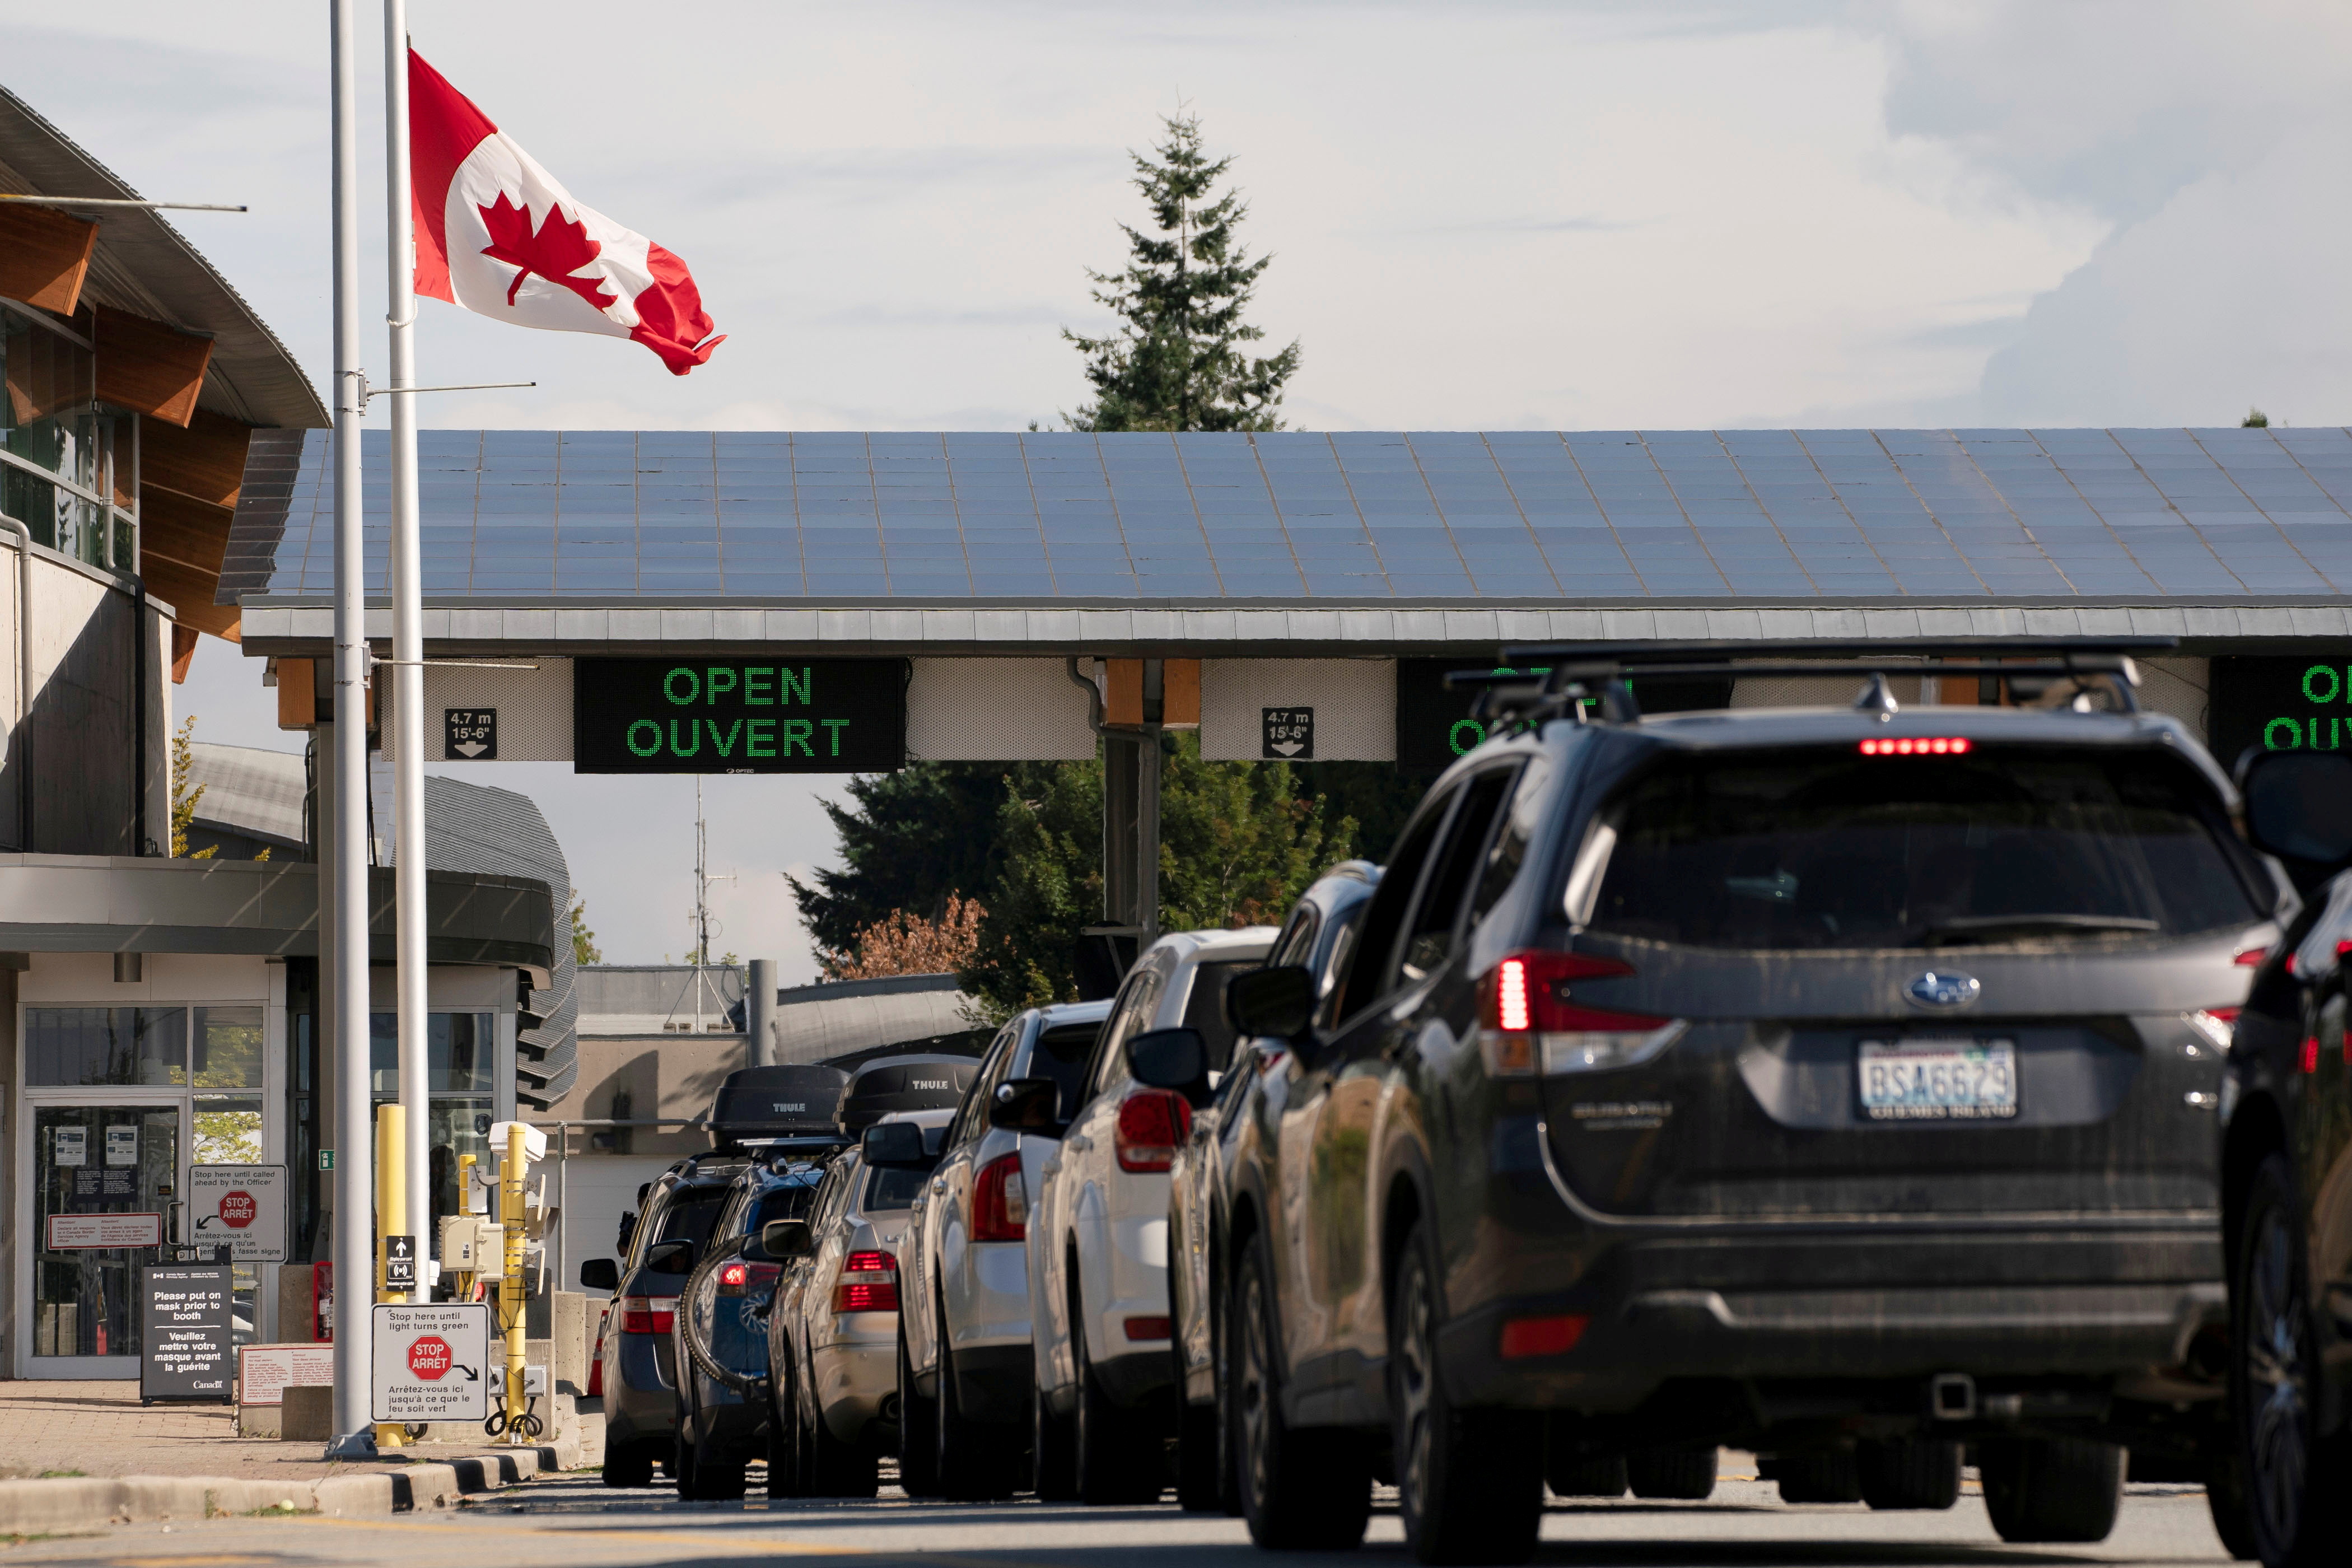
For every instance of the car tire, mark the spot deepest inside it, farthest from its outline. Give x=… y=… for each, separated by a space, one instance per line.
x=974 y=1462
x=2052 y=1488
x=1301 y=1490
x=1683 y=1473
x=632 y=1465
x=833 y=1468
x=783 y=1449
x=1818 y=1477
x=1118 y=1462
x=1197 y=1482
x=1909 y=1473
x=1469 y=1482
x=698 y=1481
x=1229 y=1490
x=918 y=1437
x=2295 y=1479
x=1570 y=1474
x=2226 y=1500
x=1053 y=1451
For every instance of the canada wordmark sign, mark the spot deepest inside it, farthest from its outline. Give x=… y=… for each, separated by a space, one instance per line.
x=432 y=1363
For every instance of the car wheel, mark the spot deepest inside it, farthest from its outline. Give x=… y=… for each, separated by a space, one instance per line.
x=1220 y=1361
x=1818 y=1478
x=1570 y=1474
x=699 y=1480
x=2052 y=1488
x=1197 y=1487
x=1469 y=1482
x=632 y=1465
x=975 y=1463
x=2294 y=1480
x=1683 y=1472
x=918 y=1437
x=1299 y=1490
x=1117 y=1463
x=783 y=1449
x=833 y=1468
x=2226 y=1500
x=1912 y=1473
x=1053 y=1450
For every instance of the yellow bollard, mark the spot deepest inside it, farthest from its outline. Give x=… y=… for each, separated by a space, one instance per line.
x=510 y=1287
x=392 y=1219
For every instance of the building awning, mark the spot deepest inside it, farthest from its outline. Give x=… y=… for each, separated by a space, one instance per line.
x=73 y=903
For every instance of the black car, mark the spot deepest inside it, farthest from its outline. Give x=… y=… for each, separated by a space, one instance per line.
x=1315 y=936
x=2286 y=1159
x=1835 y=1083
x=721 y=1326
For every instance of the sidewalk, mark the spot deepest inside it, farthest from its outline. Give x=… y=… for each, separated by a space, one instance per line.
x=63 y=1444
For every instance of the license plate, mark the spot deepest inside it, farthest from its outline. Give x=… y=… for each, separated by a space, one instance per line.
x=1938 y=1080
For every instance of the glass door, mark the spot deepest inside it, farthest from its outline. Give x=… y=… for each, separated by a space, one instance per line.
x=99 y=1173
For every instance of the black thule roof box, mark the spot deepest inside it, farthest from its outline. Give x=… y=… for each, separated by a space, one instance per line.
x=887 y=1084
x=757 y=1108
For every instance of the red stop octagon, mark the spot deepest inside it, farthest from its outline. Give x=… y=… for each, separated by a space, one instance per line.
x=428 y=1357
x=238 y=1209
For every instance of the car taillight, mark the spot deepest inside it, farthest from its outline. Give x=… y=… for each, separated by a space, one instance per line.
x=744 y=1278
x=1530 y=1023
x=596 y=1357
x=1149 y=1327
x=2250 y=957
x=1000 y=1201
x=1919 y=746
x=1152 y=1125
x=647 y=1314
x=869 y=1283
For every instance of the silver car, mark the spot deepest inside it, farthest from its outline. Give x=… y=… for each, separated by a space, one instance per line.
x=832 y=1333
x=965 y=1373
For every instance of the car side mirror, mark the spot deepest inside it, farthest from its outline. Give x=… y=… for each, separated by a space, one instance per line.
x=1170 y=1059
x=1278 y=1002
x=670 y=1257
x=600 y=1274
x=894 y=1146
x=783 y=1238
x=1027 y=1105
x=2299 y=805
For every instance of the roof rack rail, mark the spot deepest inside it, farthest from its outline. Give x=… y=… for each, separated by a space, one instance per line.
x=1578 y=673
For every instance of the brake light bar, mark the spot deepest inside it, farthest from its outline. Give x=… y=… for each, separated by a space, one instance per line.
x=869 y=1283
x=1919 y=746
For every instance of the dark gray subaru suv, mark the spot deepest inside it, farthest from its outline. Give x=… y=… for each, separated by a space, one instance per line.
x=1837 y=1083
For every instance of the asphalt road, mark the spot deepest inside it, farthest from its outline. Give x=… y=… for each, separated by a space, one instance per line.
x=579 y=1524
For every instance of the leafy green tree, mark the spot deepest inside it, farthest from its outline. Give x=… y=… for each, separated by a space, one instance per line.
x=1047 y=890
x=1176 y=360
x=584 y=941
x=2255 y=419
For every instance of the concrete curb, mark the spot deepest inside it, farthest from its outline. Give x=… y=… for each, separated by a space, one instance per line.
x=84 y=1503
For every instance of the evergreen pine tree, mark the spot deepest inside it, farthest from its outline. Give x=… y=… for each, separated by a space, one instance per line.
x=1176 y=362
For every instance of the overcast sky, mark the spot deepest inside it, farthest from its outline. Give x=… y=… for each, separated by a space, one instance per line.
x=1494 y=216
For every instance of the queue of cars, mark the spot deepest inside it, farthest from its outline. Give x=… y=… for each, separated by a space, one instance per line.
x=1875 y=1090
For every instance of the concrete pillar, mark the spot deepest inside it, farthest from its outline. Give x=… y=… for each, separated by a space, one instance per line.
x=760 y=1013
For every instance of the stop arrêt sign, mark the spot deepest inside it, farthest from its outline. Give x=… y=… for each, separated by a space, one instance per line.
x=238 y=1209
x=428 y=1357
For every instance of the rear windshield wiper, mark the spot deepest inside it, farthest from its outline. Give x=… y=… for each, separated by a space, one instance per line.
x=1984 y=926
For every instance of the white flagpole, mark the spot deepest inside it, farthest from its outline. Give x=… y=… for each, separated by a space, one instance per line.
x=354 y=1227
x=408 y=647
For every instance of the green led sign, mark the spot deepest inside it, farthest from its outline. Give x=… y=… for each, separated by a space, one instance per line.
x=774 y=714
x=2297 y=703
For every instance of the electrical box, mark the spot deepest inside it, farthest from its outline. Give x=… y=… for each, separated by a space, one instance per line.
x=472 y=1246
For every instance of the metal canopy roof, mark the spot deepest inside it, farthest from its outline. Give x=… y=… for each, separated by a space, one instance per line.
x=913 y=526
x=144 y=266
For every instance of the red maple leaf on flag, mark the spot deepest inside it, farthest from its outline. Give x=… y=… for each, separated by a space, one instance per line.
x=553 y=252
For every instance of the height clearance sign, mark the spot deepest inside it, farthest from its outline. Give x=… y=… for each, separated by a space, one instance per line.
x=779 y=714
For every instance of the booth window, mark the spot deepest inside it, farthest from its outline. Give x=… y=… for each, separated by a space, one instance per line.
x=93 y=1046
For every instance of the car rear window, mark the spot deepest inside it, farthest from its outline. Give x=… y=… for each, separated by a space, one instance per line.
x=690 y=1215
x=893 y=1189
x=1817 y=850
x=1205 y=1009
x=1061 y=1054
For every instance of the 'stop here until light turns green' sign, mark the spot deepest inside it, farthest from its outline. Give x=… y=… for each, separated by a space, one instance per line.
x=739 y=714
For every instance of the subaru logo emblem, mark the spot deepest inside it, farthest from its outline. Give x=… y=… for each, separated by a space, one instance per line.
x=1943 y=989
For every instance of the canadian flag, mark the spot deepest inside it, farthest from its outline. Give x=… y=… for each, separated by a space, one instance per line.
x=497 y=234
